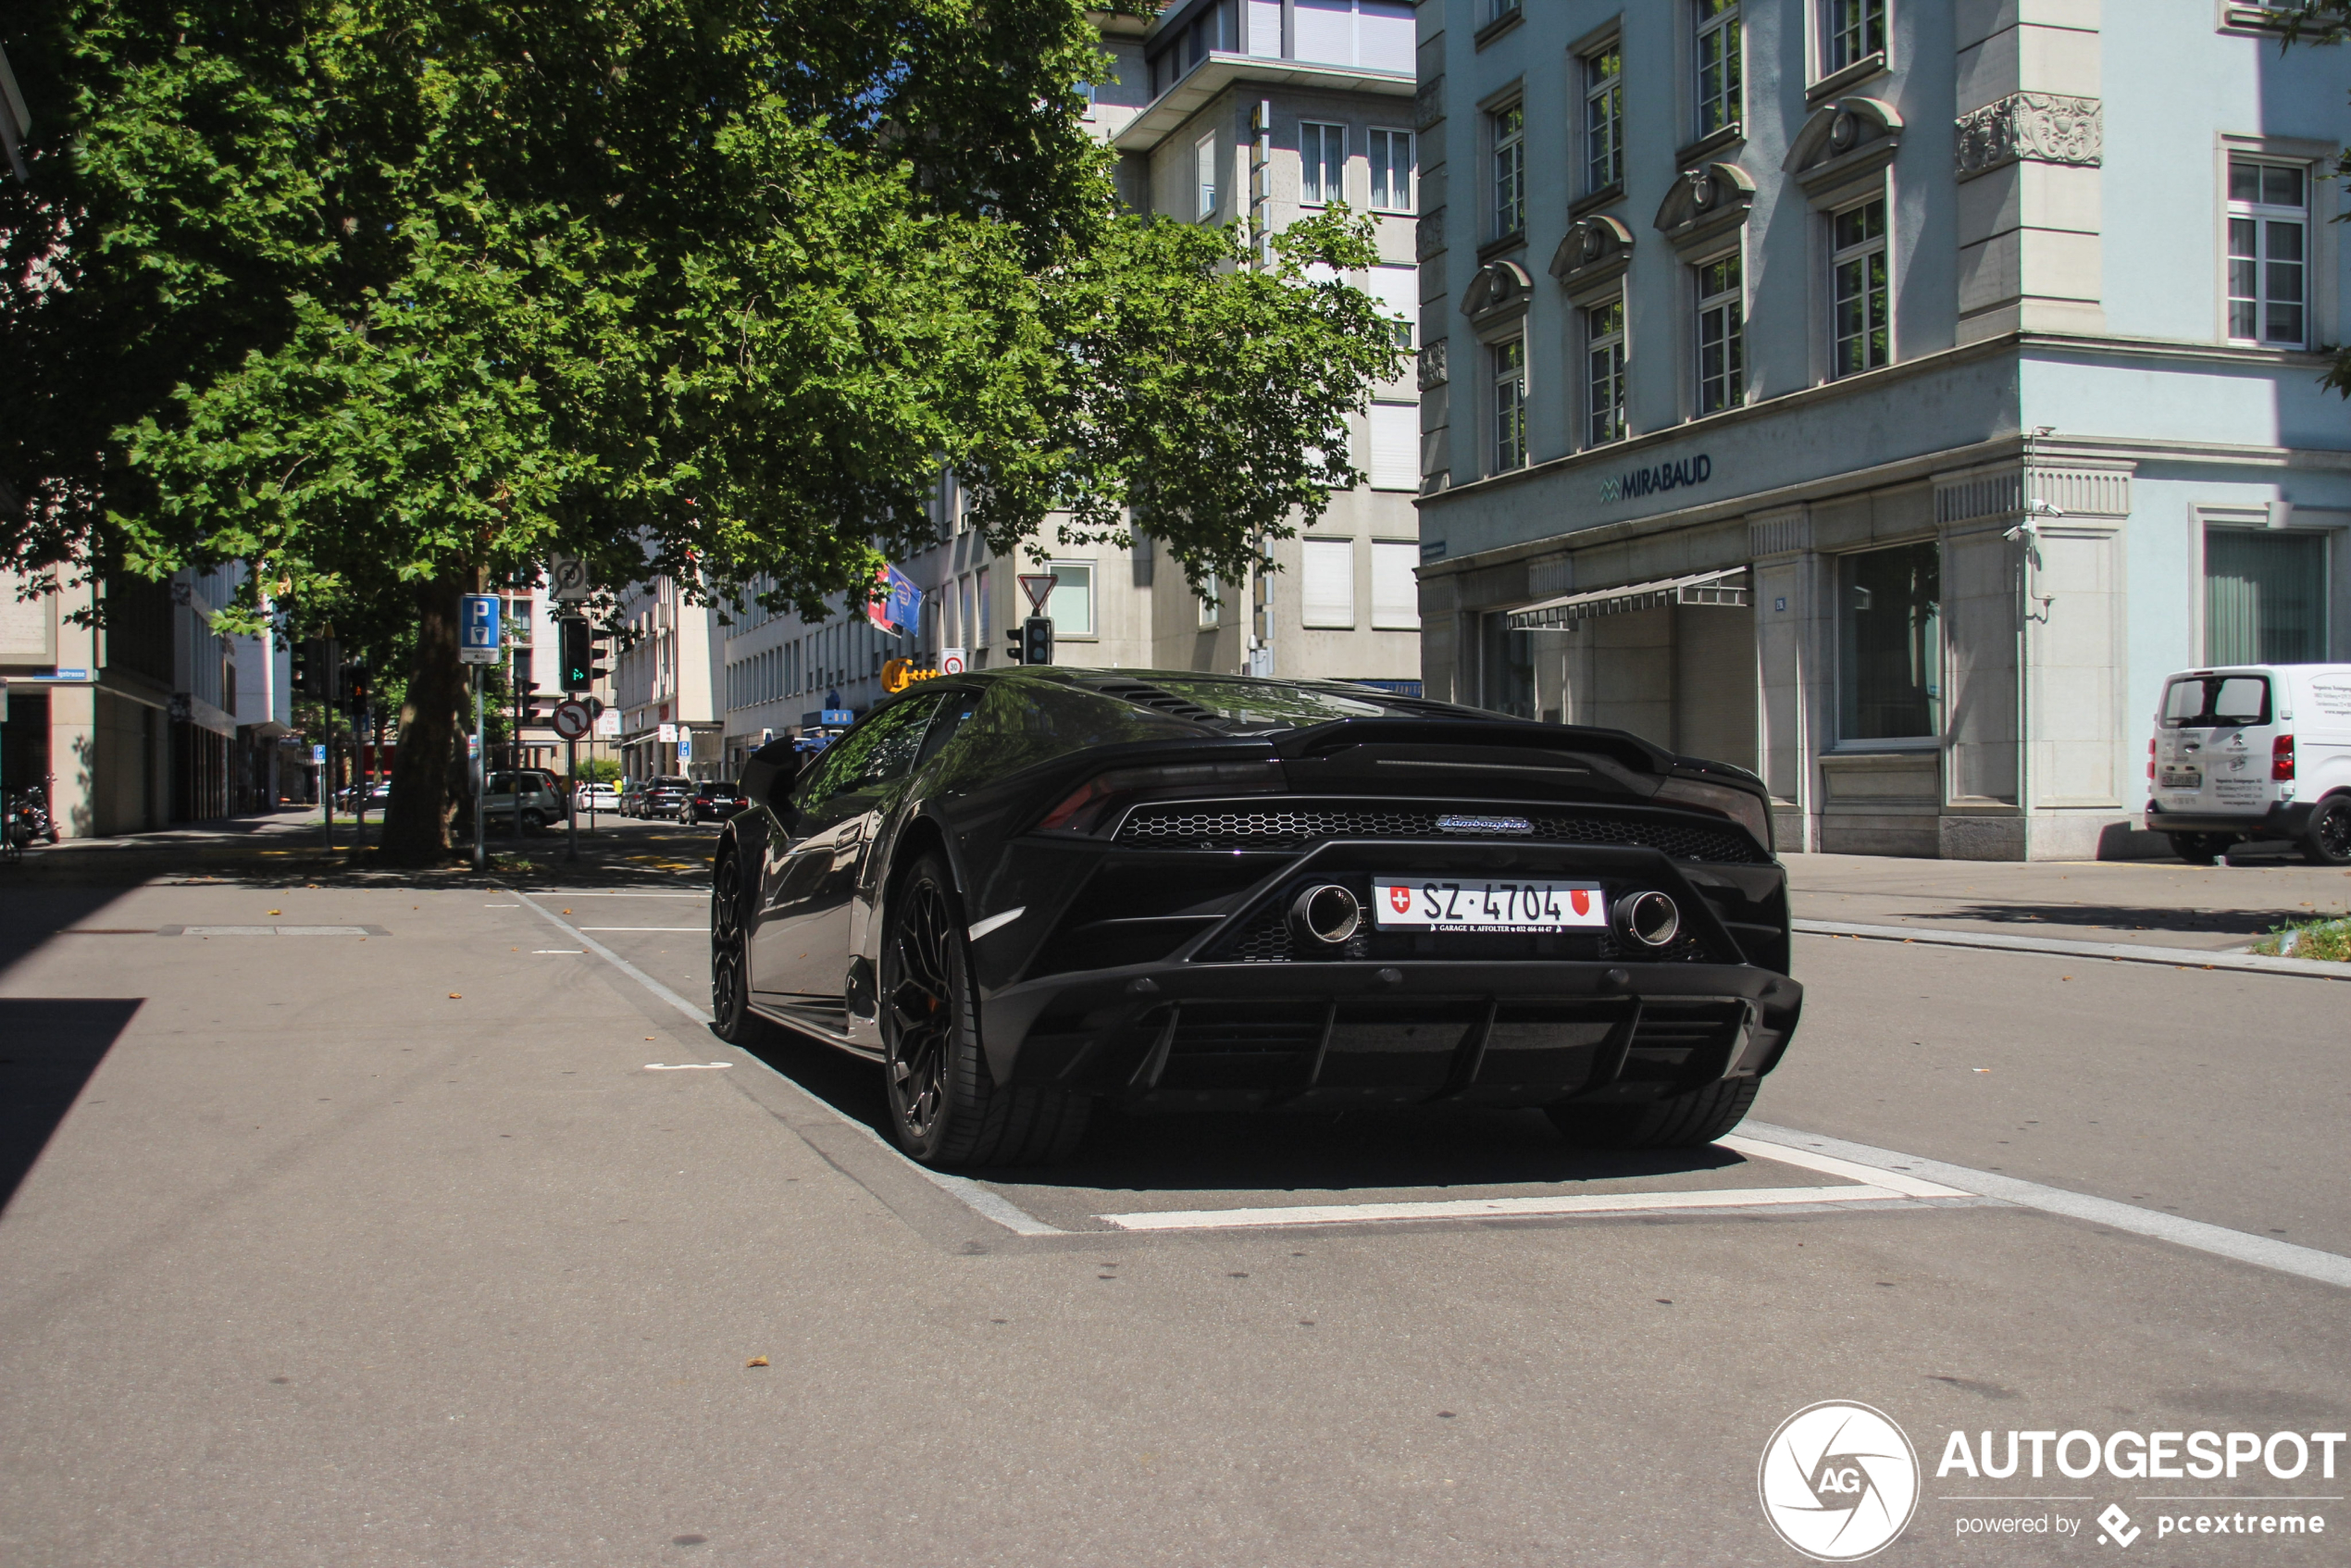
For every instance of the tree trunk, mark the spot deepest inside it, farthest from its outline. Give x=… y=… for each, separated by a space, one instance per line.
x=416 y=827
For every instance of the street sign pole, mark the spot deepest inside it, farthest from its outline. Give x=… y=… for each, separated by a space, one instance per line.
x=477 y=768
x=571 y=796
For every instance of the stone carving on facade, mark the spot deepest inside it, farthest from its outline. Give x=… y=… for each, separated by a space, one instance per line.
x=1595 y=250
x=2039 y=127
x=1428 y=234
x=1498 y=290
x=1428 y=104
x=1703 y=201
x=1844 y=140
x=1433 y=371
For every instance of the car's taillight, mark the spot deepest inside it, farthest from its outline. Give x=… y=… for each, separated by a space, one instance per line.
x=1737 y=805
x=1084 y=809
x=2281 y=758
x=2150 y=758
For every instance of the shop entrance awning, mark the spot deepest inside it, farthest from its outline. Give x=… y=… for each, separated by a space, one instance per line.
x=1727 y=587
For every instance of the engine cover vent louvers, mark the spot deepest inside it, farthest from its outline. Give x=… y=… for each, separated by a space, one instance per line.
x=1277 y=827
x=1153 y=697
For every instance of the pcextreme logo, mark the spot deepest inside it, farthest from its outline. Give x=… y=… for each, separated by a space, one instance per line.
x=1838 y=1481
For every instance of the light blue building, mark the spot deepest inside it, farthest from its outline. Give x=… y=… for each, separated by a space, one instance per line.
x=1882 y=394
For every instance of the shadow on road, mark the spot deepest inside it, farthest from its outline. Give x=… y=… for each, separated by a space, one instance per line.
x=53 y=1046
x=2125 y=919
x=1431 y=1147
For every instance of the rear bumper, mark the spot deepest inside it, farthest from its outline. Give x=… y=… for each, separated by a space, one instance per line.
x=1195 y=1036
x=2286 y=819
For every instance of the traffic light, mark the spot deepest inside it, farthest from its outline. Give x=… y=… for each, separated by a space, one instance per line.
x=314 y=668
x=579 y=646
x=1037 y=641
x=1014 y=652
x=356 y=685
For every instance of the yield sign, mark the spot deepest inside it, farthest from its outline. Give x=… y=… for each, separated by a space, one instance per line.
x=1039 y=586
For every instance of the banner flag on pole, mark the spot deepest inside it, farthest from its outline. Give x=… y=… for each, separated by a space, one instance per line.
x=895 y=602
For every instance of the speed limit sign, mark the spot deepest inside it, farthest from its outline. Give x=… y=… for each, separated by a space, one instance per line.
x=572 y=721
x=950 y=661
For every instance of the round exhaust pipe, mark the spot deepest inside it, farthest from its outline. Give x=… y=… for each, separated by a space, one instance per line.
x=1327 y=914
x=1648 y=919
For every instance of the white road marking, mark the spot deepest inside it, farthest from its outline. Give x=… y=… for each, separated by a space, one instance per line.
x=1503 y=1208
x=1811 y=1160
x=684 y=1066
x=645 y=927
x=2121 y=952
x=991 y=1206
x=596 y=893
x=543 y=952
x=2264 y=1250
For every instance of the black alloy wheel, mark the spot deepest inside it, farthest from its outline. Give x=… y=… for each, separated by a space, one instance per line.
x=2328 y=842
x=730 y=1016
x=945 y=1109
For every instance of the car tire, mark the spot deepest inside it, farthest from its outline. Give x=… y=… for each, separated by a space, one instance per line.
x=532 y=822
x=1682 y=1121
x=2199 y=849
x=945 y=1109
x=2327 y=841
x=731 y=1018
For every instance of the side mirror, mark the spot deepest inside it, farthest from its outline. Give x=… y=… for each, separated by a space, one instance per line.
x=768 y=775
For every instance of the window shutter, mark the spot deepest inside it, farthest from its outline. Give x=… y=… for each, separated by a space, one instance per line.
x=1398 y=289
x=1396 y=447
x=1329 y=588
x=1396 y=593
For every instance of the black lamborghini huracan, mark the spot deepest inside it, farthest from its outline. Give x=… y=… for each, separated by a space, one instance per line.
x=1025 y=891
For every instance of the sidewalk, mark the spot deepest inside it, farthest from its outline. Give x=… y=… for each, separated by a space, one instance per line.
x=2165 y=904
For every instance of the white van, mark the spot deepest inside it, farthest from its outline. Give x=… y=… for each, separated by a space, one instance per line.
x=2254 y=752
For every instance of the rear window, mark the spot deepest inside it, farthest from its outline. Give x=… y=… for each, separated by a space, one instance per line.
x=2209 y=702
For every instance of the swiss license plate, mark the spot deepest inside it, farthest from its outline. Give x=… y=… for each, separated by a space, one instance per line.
x=2183 y=778
x=1422 y=904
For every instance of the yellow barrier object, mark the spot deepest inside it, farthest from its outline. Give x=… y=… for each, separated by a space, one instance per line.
x=899 y=674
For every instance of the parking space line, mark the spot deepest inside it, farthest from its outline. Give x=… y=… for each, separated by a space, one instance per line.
x=1594 y=1204
x=1812 y=1160
x=643 y=928
x=991 y=1206
x=2286 y=1257
x=2119 y=952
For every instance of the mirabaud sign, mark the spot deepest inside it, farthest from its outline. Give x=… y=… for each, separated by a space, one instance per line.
x=1651 y=481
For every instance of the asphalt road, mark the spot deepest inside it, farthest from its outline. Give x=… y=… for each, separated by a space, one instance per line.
x=318 y=1262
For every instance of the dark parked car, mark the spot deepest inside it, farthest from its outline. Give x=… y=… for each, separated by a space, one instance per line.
x=632 y=797
x=714 y=800
x=1026 y=891
x=666 y=796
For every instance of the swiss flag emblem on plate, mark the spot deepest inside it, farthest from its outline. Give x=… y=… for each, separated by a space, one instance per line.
x=1400 y=898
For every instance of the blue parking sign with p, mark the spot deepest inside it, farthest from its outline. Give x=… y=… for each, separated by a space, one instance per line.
x=478 y=629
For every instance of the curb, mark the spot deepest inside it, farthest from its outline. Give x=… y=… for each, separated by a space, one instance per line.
x=2120 y=953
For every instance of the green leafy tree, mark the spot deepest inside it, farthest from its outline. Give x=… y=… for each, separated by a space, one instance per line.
x=2324 y=22
x=597 y=770
x=389 y=298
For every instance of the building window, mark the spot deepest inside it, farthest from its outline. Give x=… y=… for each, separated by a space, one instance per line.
x=1851 y=31
x=1604 y=118
x=1070 y=603
x=1510 y=404
x=1721 y=61
x=1604 y=372
x=1396 y=446
x=1890 y=643
x=1204 y=172
x=1393 y=172
x=1721 y=369
x=1211 y=603
x=1396 y=592
x=2268 y=220
x=1398 y=291
x=1326 y=586
x=1496 y=9
x=1858 y=278
x=2265 y=596
x=1508 y=128
x=1321 y=164
x=1505 y=666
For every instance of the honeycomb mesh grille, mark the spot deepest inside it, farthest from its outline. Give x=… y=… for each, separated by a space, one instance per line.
x=1298 y=823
